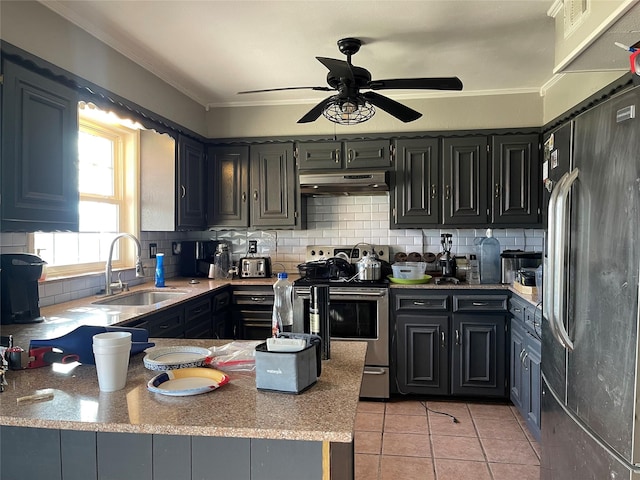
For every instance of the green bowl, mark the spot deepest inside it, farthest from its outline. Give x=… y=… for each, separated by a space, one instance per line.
x=404 y=281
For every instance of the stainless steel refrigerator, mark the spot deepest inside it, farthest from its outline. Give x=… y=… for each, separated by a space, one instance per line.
x=590 y=349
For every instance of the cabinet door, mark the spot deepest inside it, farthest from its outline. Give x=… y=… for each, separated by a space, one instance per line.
x=228 y=186
x=478 y=355
x=191 y=193
x=464 y=185
x=198 y=322
x=168 y=324
x=273 y=186
x=533 y=376
x=320 y=155
x=367 y=154
x=516 y=351
x=515 y=180
x=422 y=353
x=39 y=153
x=415 y=197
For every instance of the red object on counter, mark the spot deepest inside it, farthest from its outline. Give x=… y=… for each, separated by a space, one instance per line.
x=19 y=359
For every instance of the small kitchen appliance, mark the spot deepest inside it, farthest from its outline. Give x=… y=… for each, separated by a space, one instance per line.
x=196 y=256
x=255 y=267
x=20 y=298
x=447 y=261
x=513 y=260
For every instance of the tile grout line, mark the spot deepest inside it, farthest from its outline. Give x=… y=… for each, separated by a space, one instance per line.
x=484 y=452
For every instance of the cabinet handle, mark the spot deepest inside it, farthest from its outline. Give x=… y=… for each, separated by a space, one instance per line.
x=457 y=337
x=419 y=304
x=524 y=363
x=244 y=196
x=163 y=327
x=497 y=190
x=255 y=195
x=351 y=155
x=521 y=355
x=183 y=191
x=258 y=299
x=517 y=310
x=337 y=155
x=434 y=191
x=447 y=192
x=480 y=304
x=443 y=341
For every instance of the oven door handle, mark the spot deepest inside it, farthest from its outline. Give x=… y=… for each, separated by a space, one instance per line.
x=306 y=293
x=374 y=371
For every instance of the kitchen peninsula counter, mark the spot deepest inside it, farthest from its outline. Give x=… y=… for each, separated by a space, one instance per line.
x=322 y=418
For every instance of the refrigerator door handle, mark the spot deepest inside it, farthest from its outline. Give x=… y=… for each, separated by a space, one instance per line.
x=550 y=266
x=560 y=277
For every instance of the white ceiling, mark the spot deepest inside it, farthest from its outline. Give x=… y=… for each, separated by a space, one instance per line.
x=211 y=49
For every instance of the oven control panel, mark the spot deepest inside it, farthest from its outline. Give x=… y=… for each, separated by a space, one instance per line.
x=346 y=252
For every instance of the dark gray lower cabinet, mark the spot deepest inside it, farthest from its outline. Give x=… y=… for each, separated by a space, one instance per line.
x=525 y=359
x=450 y=344
x=423 y=363
x=69 y=455
x=479 y=355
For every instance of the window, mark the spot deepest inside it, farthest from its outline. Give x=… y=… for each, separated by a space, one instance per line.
x=108 y=171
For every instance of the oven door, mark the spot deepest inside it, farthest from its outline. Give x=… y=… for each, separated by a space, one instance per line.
x=358 y=314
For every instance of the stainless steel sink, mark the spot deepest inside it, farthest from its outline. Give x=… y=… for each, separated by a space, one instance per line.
x=142 y=297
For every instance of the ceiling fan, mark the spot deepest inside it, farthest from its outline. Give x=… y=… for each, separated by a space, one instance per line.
x=349 y=105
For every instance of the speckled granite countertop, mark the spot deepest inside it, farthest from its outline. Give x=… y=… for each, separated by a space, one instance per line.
x=325 y=412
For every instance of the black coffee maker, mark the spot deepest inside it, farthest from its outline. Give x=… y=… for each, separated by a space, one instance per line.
x=20 y=299
x=447 y=261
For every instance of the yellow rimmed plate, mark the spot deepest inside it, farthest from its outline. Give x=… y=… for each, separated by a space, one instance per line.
x=404 y=281
x=187 y=381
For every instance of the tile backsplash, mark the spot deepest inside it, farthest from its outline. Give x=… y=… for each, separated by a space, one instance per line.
x=330 y=220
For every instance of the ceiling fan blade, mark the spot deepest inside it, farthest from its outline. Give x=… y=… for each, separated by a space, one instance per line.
x=324 y=89
x=398 y=110
x=313 y=114
x=435 y=83
x=339 y=68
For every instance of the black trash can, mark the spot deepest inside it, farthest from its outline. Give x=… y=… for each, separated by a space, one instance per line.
x=19 y=287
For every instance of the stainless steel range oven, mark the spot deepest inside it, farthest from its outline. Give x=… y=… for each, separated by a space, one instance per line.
x=358 y=311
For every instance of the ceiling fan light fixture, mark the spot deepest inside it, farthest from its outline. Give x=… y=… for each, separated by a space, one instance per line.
x=348 y=112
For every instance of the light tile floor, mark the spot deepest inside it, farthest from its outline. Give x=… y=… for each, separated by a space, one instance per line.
x=400 y=439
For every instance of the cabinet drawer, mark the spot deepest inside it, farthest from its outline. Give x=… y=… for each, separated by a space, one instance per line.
x=437 y=303
x=533 y=320
x=221 y=301
x=480 y=303
x=197 y=308
x=517 y=308
x=169 y=325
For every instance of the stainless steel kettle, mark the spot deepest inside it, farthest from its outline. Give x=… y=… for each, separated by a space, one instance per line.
x=369 y=267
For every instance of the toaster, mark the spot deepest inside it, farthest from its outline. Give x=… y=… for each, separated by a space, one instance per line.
x=255 y=267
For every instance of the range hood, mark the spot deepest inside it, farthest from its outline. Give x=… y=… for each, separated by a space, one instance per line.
x=344 y=183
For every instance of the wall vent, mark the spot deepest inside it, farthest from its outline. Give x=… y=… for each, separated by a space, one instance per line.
x=575 y=11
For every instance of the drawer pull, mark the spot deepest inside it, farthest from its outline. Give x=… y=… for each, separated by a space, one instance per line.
x=259 y=299
x=480 y=304
x=419 y=304
x=443 y=342
x=517 y=310
x=457 y=337
x=524 y=361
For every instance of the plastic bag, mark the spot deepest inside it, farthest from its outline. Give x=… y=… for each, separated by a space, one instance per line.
x=235 y=356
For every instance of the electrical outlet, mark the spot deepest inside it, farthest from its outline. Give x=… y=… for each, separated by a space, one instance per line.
x=253 y=246
x=153 y=249
x=176 y=247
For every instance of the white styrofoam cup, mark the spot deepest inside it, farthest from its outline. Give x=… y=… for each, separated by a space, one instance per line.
x=112 y=362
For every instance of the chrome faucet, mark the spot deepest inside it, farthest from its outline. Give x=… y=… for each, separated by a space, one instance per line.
x=108 y=289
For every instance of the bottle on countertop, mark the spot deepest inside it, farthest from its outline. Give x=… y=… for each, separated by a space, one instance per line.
x=159 y=269
x=490 y=259
x=282 y=318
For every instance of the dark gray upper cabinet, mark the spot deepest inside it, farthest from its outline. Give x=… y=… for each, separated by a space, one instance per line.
x=273 y=186
x=191 y=199
x=464 y=181
x=228 y=195
x=515 y=180
x=415 y=199
x=343 y=154
x=39 y=152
